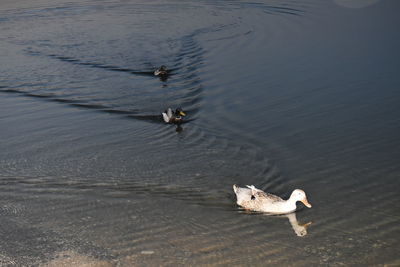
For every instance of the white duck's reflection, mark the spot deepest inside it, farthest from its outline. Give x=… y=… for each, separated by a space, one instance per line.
x=299 y=229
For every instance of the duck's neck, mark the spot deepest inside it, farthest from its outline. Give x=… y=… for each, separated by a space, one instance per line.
x=290 y=204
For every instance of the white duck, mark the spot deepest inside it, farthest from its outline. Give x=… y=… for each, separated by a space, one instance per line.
x=255 y=199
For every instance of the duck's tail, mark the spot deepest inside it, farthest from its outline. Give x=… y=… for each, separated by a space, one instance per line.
x=235 y=188
x=165 y=117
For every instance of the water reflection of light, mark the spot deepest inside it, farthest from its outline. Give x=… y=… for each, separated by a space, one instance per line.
x=355 y=3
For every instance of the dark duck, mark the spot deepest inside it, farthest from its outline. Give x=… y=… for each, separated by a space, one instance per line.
x=176 y=116
x=161 y=72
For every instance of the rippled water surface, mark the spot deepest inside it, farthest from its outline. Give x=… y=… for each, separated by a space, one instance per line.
x=280 y=94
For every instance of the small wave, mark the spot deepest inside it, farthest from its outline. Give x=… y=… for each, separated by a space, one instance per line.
x=134 y=114
x=278 y=8
x=282 y=10
x=149 y=72
x=184 y=90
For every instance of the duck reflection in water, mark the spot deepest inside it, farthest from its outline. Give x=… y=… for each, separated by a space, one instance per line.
x=299 y=229
x=253 y=199
x=178 y=128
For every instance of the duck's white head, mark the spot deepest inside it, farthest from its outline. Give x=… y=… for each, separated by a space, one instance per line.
x=300 y=195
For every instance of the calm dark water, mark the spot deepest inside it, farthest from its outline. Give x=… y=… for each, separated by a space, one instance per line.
x=279 y=94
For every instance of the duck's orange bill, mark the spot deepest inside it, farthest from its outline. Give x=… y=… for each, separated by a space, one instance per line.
x=305 y=202
x=182 y=113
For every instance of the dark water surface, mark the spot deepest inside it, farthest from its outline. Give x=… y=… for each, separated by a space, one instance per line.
x=280 y=94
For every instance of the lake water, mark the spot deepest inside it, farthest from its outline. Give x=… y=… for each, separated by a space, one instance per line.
x=280 y=94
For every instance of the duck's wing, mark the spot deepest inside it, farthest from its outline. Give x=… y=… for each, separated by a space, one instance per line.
x=169 y=113
x=157 y=72
x=267 y=196
x=258 y=193
x=253 y=189
x=165 y=117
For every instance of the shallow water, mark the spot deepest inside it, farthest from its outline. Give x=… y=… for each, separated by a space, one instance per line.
x=279 y=94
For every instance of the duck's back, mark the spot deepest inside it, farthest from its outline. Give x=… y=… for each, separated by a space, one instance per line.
x=259 y=201
x=263 y=196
